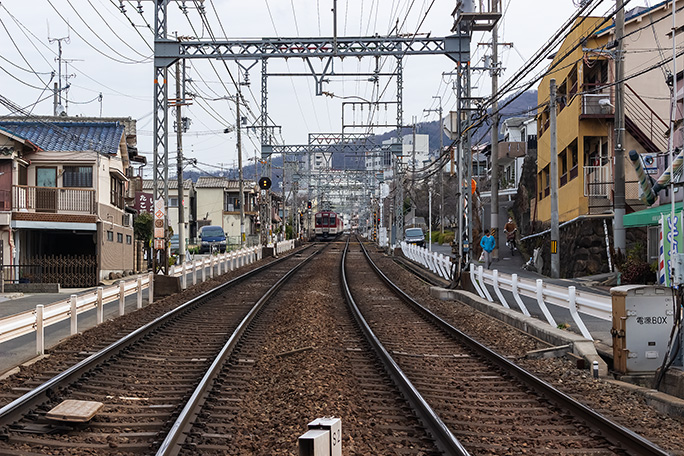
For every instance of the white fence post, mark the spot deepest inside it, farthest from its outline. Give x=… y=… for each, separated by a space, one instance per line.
x=194 y=272
x=480 y=273
x=204 y=269
x=73 y=301
x=40 y=330
x=502 y=300
x=542 y=304
x=572 y=305
x=150 y=289
x=473 y=279
x=516 y=295
x=184 y=275
x=139 y=292
x=122 y=298
x=100 y=306
x=211 y=267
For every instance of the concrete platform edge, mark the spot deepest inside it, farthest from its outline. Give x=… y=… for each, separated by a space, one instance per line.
x=663 y=402
x=580 y=346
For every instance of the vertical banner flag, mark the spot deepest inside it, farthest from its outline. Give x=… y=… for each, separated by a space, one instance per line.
x=672 y=239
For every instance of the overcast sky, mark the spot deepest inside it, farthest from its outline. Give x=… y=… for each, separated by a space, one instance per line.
x=105 y=54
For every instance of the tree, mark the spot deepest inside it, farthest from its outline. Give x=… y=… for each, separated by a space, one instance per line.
x=143 y=227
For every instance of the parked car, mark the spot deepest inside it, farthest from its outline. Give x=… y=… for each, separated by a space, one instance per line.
x=174 y=244
x=212 y=237
x=415 y=236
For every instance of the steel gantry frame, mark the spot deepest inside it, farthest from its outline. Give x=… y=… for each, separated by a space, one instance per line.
x=167 y=51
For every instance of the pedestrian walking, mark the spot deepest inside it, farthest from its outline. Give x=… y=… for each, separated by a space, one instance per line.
x=488 y=243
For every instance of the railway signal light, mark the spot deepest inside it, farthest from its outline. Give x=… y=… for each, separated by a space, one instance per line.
x=308 y=205
x=264 y=183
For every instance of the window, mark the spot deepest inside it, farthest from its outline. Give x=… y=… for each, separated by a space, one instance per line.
x=231 y=202
x=573 y=160
x=110 y=236
x=173 y=201
x=119 y=238
x=116 y=192
x=77 y=176
x=23 y=175
x=129 y=239
x=563 y=166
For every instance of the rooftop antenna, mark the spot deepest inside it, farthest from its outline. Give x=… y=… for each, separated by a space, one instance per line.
x=58 y=99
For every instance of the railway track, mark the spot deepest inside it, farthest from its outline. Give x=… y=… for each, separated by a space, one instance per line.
x=144 y=378
x=489 y=404
x=243 y=369
x=301 y=359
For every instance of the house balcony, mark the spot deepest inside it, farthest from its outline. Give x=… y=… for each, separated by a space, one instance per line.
x=597 y=106
x=509 y=150
x=56 y=200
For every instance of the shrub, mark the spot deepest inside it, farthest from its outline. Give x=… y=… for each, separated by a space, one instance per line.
x=634 y=269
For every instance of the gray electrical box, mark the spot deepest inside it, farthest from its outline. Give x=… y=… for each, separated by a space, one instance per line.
x=643 y=316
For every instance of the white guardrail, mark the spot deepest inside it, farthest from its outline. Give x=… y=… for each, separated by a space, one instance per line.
x=576 y=302
x=68 y=309
x=435 y=262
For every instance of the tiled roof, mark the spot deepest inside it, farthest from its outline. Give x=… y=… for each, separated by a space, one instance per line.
x=148 y=184
x=222 y=182
x=103 y=137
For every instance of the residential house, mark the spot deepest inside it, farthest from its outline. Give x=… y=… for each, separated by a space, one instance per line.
x=583 y=70
x=144 y=203
x=218 y=203
x=64 y=185
x=519 y=138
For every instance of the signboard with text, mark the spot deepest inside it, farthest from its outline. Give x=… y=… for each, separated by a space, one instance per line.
x=159 y=216
x=671 y=239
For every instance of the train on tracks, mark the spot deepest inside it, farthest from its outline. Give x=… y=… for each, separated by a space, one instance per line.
x=328 y=225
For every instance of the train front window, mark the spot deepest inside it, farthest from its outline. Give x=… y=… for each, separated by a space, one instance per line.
x=319 y=219
x=332 y=219
x=325 y=220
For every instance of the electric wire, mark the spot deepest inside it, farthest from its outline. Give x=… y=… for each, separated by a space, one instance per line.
x=125 y=42
x=129 y=62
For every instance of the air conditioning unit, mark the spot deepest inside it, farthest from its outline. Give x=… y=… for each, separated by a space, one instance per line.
x=127 y=220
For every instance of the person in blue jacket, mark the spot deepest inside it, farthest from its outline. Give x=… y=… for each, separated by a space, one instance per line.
x=488 y=243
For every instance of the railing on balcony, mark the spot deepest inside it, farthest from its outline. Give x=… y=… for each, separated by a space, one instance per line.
x=597 y=181
x=53 y=199
x=593 y=106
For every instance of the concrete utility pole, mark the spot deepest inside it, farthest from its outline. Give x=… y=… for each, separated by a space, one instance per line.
x=494 y=71
x=241 y=186
x=619 y=202
x=441 y=171
x=179 y=166
x=555 y=235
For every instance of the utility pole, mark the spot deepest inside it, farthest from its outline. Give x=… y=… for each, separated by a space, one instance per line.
x=619 y=202
x=179 y=166
x=494 y=71
x=441 y=171
x=555 y=256
x=241 y=186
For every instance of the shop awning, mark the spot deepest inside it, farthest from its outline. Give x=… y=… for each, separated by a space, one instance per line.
x=650 y=216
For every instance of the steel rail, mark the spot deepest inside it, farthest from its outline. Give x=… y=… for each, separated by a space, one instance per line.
x=42 y=392
x=175 y=438
x=615 y=433
x=444 y=439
